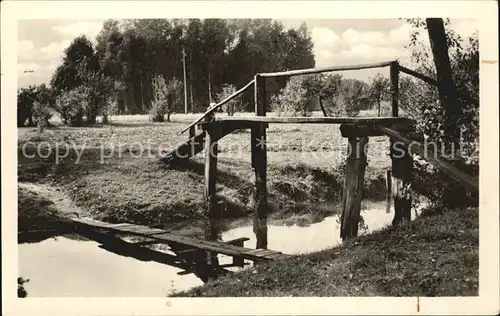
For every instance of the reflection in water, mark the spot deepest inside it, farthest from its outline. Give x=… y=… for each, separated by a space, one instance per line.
x=260 y=231
x=66 y=267
x=318 y=236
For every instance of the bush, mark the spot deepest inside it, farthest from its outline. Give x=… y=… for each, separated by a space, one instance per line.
x=28 y=112
x=297 y=97
x=159 y=103
x=346 y=97
x=166 y=97
x=232 y=106
x=25 y=99
x=72 y=105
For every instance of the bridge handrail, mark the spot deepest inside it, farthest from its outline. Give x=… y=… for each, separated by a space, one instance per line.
x=326 y=69
x=218 y=105
x=288 y=73
x=468 y=181
x=435 y=83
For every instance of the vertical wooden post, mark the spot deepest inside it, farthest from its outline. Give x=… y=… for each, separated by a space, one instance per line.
x=259 y=163
x=260 y=95
x=353 y=187
x=192 y=131
x=402 y=166
x=239 y=261
x=388 y=185
x=394 y=69
x=211 y=215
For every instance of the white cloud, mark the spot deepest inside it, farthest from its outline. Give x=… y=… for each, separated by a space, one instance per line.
x=351 y=37
x=54 y=50
x=44 y=60
x=87 y=28
x=466 y=28
x=401 y=34
x=25 y=50
x=355 y=47
x=325 y=38
x=374 y=38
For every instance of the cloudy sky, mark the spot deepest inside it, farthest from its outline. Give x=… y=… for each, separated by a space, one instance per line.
x=336 y=42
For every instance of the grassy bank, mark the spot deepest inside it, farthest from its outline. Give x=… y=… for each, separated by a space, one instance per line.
x=38 y=217
x=305 y=170
x=436 y=255
x=36 y=212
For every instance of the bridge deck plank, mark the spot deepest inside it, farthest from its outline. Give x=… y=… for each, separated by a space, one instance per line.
x=169 y=238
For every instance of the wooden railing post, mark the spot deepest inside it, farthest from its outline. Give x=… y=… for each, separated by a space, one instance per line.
x=192 y=131
x=259 y=163
x=394 y=74
x=353 y=187
x=212 y=212
x=402 y=166
x=260 y=95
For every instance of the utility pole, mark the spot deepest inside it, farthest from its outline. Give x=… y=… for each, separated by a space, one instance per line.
x=185 y=82
x=191 y=78
x=209 y=89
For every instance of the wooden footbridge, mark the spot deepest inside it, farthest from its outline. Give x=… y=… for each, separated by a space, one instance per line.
x=357 y=132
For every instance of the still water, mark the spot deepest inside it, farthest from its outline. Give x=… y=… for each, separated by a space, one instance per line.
x=79 y=268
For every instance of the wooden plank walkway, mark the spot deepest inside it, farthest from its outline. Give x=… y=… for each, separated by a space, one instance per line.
x=166 y=237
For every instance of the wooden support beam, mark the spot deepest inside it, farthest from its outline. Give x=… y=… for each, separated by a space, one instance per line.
x=188 y=252
x=351 y=130
x=237 y=241
x=394 y=74
x=211 y=150
x=229 y=126
x=353 y=187
x=147 y=242
x=402 y=167
x=238 y=261
x=377 y=121
x=259 y=164
x=469 y=182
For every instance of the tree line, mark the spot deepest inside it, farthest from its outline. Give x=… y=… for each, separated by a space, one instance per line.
x=136 y=67
x=119 y=73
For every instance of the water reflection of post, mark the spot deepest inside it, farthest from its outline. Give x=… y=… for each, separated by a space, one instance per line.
x=388 y=184
x=259 y=163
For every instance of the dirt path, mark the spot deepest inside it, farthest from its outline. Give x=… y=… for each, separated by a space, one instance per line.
x=62 y=202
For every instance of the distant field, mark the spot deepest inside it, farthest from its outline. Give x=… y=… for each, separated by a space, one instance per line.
x=180 y=117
